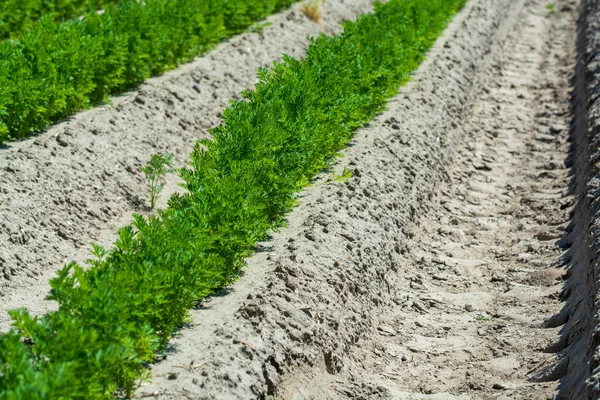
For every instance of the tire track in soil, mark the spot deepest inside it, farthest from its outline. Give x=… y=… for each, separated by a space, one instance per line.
x=483 y=269
x=578 y=348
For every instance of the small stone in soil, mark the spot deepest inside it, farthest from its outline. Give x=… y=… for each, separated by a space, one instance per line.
x=481 y=166
x=61 y=140
x=546 y=236
x=172 y=376
x=503 y=386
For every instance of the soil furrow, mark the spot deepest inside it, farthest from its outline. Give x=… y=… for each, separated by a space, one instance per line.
x=483 y=270
x=579 y=344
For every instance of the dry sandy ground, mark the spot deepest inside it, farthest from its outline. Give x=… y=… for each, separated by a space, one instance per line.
x=579 y=347
x=430 y=274
x=483 y=271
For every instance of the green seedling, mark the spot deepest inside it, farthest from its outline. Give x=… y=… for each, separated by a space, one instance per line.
x=259 y=27
x=550 y=8
x=483 y=317
x=346 y=174
x=155 y=170
x=343 y=177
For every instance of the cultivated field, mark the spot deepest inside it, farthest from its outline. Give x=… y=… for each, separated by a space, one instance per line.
x=350 y=200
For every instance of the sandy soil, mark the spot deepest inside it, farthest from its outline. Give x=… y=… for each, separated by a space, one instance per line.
x=80 y=181
x=579 y=346
x=591 y=57
x=435 y=272
x=483 y=271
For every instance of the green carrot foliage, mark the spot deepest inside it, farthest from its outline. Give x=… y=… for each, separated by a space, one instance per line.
x=16 y=16
x=155 y=171
x=55 y=69
x=116 y=314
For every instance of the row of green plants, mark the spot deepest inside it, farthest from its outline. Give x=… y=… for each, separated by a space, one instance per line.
x=17 y=16
x=115 y=316
x=55 y=69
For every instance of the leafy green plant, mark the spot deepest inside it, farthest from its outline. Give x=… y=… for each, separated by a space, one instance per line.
x=16 y=16
x=483 y=317
x=259 y=27
x=344 y=176
x=55 y=69
x=550 y=8
x=114 y=316
x=155 y=171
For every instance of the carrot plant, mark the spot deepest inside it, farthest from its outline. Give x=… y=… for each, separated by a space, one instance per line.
x=16 y=16
x=155 y=171
x=115 y=315
x=57 y=68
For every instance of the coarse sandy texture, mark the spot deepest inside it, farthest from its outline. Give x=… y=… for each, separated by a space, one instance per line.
x=484 y=269
x=418 y=277
x=80 y=181
x=579 y=345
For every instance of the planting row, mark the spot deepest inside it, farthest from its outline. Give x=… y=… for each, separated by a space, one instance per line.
x=116 y=315
x=17 y=16
x=57 y=68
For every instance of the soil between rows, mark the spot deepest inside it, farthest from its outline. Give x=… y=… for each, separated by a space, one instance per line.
x=429 y=274
x=483 y=269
